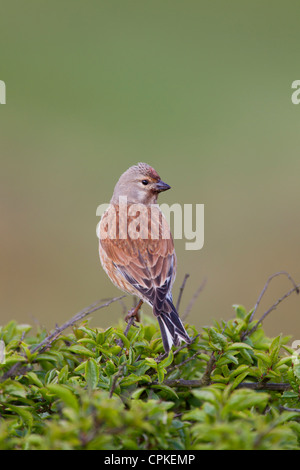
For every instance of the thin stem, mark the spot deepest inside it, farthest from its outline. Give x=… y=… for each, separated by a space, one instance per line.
x=193 y=300
x=279 y=387
x=79 y=316
x=279 y=273
x=19 y=367
x=273 y=307
x=181 y=291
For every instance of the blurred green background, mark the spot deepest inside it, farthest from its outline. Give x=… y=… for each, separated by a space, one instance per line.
x=200 y=90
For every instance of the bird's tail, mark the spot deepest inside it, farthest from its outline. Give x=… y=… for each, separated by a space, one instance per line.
x=171 y=327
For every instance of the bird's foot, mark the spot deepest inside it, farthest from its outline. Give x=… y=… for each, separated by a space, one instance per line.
x=134 y=312
x=131 y=316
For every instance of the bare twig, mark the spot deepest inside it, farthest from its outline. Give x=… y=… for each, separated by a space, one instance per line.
x=279 y=387
x=20 y=367
x=286 y=408
x=79 y=316
x=183 y=346
x=271 y=386
x=205 y=379
x=182 y=383
x=296 y=288
x=17 y=369
x=186 y=345
x=177 y=366
x=193 y=300
x=181 y=291
x=273 y=307
x=115 y=380
x=128 y=326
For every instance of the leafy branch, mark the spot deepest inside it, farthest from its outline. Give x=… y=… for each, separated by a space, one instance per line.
x=92 y=388
x=19 y=367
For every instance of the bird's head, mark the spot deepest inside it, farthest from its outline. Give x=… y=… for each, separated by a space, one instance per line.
x=141 y=184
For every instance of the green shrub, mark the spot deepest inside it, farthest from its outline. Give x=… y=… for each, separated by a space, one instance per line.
x=85 y=390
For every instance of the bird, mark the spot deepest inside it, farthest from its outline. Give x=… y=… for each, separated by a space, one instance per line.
x=137 y=251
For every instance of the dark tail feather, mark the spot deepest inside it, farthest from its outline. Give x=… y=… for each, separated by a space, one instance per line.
x=171 y=327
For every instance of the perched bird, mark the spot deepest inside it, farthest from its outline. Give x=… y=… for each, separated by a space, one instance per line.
x=137 y=250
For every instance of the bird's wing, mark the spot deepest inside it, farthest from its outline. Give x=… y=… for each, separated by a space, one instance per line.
x=148 y=264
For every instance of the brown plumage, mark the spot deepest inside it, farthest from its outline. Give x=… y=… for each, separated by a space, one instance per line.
x=137 y=250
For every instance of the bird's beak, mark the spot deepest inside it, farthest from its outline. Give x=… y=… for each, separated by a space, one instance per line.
x=161 y=186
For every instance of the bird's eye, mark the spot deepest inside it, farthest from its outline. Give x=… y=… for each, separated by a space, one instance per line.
x=145 y=182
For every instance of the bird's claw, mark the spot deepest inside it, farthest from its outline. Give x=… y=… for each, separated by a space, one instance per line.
x=133 y=313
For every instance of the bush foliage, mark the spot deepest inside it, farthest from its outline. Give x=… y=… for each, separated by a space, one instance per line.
x=226 y=390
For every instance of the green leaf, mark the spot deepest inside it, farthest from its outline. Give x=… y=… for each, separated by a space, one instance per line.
x=220 y=379
x=34 y=379
x=160 y=374
x=8 y=331
x=141 y=368
x=168 y=360
x=206 y=395
x=133 y=378
x=87 y=341
x=283 y=361
x=68 y=397
x=194 y=415
x=265 y=358
x=30 y=356
x=91 y=333
x=273 y=374
x=46 y=357
x=137 y=393
x=81 y=350
x=12 y=359
x=244 y=399
x=91 y=373
x=239 y=370
x=110 y=367
x=239 y=346
x=225 y=370
x=14 y=389
x=123 y=338
x=51 y=376
x=240 y=311
x=293 y=380
x=151 y=362
x=217 y=339
x=238 y=380
x=63 y=374
x=246 y=355
x=296 y=367
x=169 y=391
x=227 y=358
x=274 y=349
x=24 y=413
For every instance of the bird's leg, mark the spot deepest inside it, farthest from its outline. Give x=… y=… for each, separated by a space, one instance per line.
x=134 y=312
x=132 y=315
